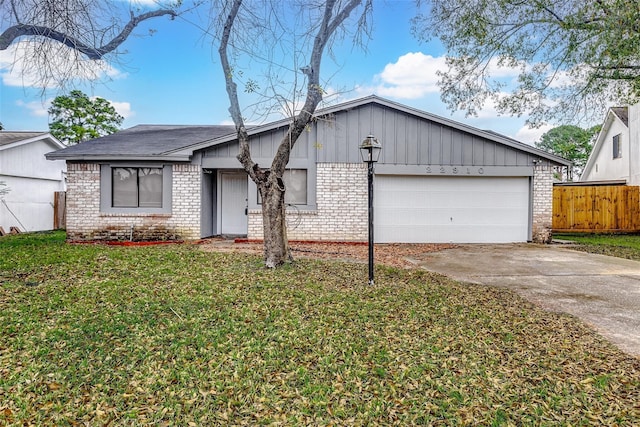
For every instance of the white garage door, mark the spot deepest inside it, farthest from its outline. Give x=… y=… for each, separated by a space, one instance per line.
x=418 y=209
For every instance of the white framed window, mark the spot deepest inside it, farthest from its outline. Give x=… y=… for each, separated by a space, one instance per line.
x=617 y=147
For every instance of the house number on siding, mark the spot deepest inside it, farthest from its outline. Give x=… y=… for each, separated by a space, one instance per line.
x=455 y=170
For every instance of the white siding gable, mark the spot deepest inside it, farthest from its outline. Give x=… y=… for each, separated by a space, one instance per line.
x=602 y=166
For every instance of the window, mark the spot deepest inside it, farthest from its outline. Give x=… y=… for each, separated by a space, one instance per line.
x=295 y=181
x=617 y=147
x=135 y=188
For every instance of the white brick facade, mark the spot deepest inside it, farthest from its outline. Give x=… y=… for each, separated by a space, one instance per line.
x=342 y=206
x=341 y=213
x=86 y=222
x=542 y=203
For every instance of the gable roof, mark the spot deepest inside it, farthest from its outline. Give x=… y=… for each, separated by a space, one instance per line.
x=178 y=143
x=620 y=114
x=11 y=139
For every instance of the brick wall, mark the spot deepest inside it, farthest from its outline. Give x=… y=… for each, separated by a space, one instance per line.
x=542 y=203
x=86 y=222
x=341 y=213
x=342 y=206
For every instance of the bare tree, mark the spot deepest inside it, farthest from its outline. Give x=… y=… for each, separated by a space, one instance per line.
x=60 y=38
x=91 y=29
x=323 y=22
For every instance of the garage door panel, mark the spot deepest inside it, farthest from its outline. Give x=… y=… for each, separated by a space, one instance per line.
x=417 y=209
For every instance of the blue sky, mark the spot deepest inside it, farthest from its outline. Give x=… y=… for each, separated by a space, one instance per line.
x=174 y=77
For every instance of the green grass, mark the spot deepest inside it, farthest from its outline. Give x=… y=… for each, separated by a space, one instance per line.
x=171 y=335
x=619 y=245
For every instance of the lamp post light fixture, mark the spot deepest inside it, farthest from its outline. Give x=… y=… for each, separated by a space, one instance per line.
x=370 y=152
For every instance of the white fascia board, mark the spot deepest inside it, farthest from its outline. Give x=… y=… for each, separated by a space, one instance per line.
x=47 y=137
x=110 y=158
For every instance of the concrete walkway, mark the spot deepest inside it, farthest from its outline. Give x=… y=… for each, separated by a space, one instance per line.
x=603 y=291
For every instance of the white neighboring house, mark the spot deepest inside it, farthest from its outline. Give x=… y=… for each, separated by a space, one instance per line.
x=31 y=178
x=616 y=153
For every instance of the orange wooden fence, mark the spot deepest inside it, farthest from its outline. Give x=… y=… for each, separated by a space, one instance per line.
x=593 y=208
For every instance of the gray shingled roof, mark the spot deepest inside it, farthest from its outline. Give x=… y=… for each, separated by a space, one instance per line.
x=622 y=113
x=142 y=141
x=177 y=143
x=9 y=137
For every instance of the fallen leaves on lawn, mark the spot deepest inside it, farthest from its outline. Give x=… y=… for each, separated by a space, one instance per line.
x=390 y=254
x=179 y=336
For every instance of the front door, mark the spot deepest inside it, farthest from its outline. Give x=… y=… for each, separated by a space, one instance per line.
x=233 y=203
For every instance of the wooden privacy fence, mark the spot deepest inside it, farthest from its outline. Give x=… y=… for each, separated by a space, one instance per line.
x=596 y=208
x=59 y=210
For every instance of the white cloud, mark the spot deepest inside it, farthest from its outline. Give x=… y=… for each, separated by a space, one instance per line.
x=22 y=63
x=412 y=76
x=35 y=108
x=531 y=135
x=150 y=3
x=510 y=70
x=123 y=108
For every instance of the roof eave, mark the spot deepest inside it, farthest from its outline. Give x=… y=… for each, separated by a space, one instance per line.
x=45 y=136
x=120 y=158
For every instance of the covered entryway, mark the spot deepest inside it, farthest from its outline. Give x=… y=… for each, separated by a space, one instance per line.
x=232 y=206
x=451 y=209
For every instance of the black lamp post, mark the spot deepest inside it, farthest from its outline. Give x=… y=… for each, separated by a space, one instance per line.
x=370 y=152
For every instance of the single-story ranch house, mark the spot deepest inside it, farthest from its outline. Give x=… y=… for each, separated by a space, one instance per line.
x=437 y=181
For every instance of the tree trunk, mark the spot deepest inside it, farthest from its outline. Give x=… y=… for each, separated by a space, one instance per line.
x=276 y=244
x=269 y=181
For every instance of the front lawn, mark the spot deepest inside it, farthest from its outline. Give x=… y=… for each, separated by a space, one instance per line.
x=172 y=335
x=618 y=245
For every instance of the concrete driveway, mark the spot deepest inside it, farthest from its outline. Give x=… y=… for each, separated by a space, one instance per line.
x=603 y=291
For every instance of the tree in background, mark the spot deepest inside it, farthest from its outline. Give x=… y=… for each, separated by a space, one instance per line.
x=3 y=188
x=570 y=142
x=78 y=118
x=561 y=59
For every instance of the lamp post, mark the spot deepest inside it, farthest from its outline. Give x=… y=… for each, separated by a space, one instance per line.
x=370 y=152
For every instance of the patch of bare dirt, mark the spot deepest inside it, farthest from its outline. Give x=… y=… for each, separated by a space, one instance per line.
x=392 y=254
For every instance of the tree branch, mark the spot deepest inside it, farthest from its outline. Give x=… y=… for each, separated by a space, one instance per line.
x=314 y=91
x=244 y=155
x=12 y=33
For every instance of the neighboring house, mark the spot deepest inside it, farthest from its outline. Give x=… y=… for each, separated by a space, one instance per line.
x=437 y=181
x=32 y=180
x=615 y=156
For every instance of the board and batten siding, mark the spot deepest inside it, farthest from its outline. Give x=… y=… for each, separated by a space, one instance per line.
x=263 y=146
x=408 y=140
